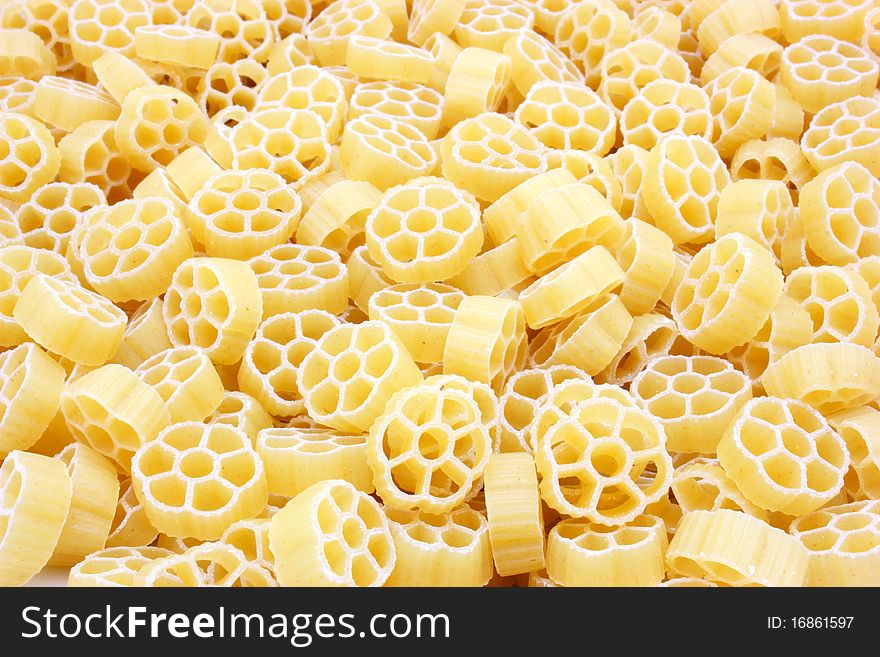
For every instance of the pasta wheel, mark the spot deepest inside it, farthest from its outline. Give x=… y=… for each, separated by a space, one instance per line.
x=733 y=548
x=30 y=157
x=352 y=372
x=296 y=458
x=489 y=154
x=513 y=509
x=272 y=359
x=683 y=179
x=337 y=217
x=650 y=336
x=90 y=154
x=226 y=86
x=48 y=19
x=628 y=166
x=829 y=377
x=328 y=33
x=430 y=17
x=497 y=216
x=207 y=564
x=130 y=526
x=307 y=88
x=291 y=143
x=730 y=19
x=186 y=381
x=420 y=316
x=702 y=485
x=115 y=566
x=372 y=58
x=366 y=278
x=214 y=304
x=648 y=262
x=604 y=460
x=626 y=70
x=69 y=320
x=843 y=542
x=848 y=131
x=743 y=104
x=196 y=480
x=858 y=428
x=820 y=70
x=252 y=538
x=424 y=231
x=665 y=107
x=176 y=545
x=35 y=493
x=727 y=294
x=293 y=278
x=534 y=59
x=449 y=549
x=587 y=32
x=48 y=218
x=54 y=94
x=476 y=83
x=17 y=95
x=774 y=159
x=486 y=341
x=244 y=213
x=94 y=492
x=494 y=271
x=788 y=116
x=871 y=39
x=583 y=553
x=783 y=456
x=242 y=411
x=246 y=32
x=145 y=336
x=415 y=104
x=524 y=393
x=693 y=397
x=30 y=393
x=838 y=301
x=429 y=449
x=10 y=231
x=177 y=44
x=590 y=169
x=576 y=286
x=100 y=25
x=481 y=393
x=748 y=50
x=801 y=18
x=446 y=52
x=490 y=23
x=759 y=209
x=840 y=211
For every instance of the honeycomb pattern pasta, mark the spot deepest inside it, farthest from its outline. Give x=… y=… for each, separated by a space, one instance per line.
x=206 y=564
x=30 y=157
x=130 y=526
x=664 y=107
x=186 y=381
x=588 y=32
x=847 y=131
x=48 y=218
x=242 y=411
x=760 y=209
x=115 y=566
x=703 y=485
x=626 y=70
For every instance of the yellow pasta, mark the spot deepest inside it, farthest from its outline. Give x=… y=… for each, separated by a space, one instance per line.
x=858 y=428
x=90 y=154
x=48 y=218
x=586 y=32
x=115 y=566
x=177 y=44
x=535 y=59
x=83 y=102
x=130 y=526
x=490 y=23
x=729 y=19
x=24 y=54
x=775 y=159
x=475 y=84
x=742 y=103
x=307 y=88
x=626 y=70
x=100 y=25
x=759 y=209
x=206 y=564
x=800 y=18
x=119 y=75
x=845 y=131
x=329 y=32
x=186 y=380
x=702 y=485
x=372 y=58
x=664 y=107
x=229 y=87
x=749 y=50
x=648 y=261
x=430 y=17
x=30 y=160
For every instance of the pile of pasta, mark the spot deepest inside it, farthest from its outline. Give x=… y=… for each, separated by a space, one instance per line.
x=440 y=292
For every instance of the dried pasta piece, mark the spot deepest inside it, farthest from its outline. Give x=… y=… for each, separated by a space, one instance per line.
x=115 y=566
x=100 y=25
x=35 y=494
x=648 y=261
x=430 y=17
x=844 y=20
x=584 y=553
x=243 y=25
x=632 y=67
x=297 y=458
x=415 y=104
x=871 y=40
x=665 y=107
x=774 y=159
x=206 y=564
x=328 y=33
x=424 y=231
x=130 y=526
x=337 y=216
x=590 y=169
x=604 y=460
x=838 y=301
x=727 y=293
x=446 y=52
x=292 y=278
x=494 y=271
x=17 y=95
x=429 y=449
x=759 y=209
x=352 y=372
x=331 y=534
x=214 y=304
x=229 y=86
x=83 y=102
x=747 y=49
x=859 y=429
x=535 y=59
x=241 y=214
x=47 y=19
x=111 y=410
x=702 y=485
x=449 y=549
x=587 y=32
x=829 y=377
x=366 y=278
x=693 y=397
x=240 y=410
x=94 y=492
x=732 y=18
x=489 y=154
x=196 y=480
x=486 y=340
x=743 y=104
x=377 y=59
x=186 y=381
x=48 y=218
x=307 y=88
x=177 y=44
x=272 y=359
x=145 y=335
x=733 y=548
x=475 y=84
x=683 y=179
x=845 y=131
x=628 y=165
x=490 y=23
x=30 y=157
x=649 y=336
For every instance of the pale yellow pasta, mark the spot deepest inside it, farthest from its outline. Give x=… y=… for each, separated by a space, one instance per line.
x=415 y=104
x=94 y=493
x=90 y=154
x=871 y=40
x=648 y=261
x=214 y=304
x=475 y=84
x=430 y=17
x=17 y=95
x=206 y=564
x=654 y=22
x=30 y=394
x=845 y=131
x=693 y=397
x=446 y=52
x=329 y=32
x=372 y=58
x=228 y=87
x=30 y=157
x=366 y=278
x=272 y=359
x=297 y=458
x=486 y=341
x=332 y=535
x=702 y=485
x=23 y=54
x=307 y=88
x=774 y=159
x=749 y=50
x=48 y=19
x=196 y=480
x=490 y=23
x=429 y=449
x=243 y=25
x=760 y=209
x=732 y=18
x=240 y=410
x=628 y=69
x=535 y=59
x=727 y=293
x=115 y=566
x=186 y=380
x=35 y=494
x=84 y=102
x=628 y=165
x=177 y=44
x=844 y=20
x=665 y=107
x=859 y=429
x=293 y=278
x=48 y=218
x=733 y=548
x=352 y=372
x=683 y=179
x=649 y=336
x=252 y=538
x=584 y=553
x=130 y=526
x=100 y=25
x=494 y=271
x=587 y=32
x=448 y=549
x=590 y=169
